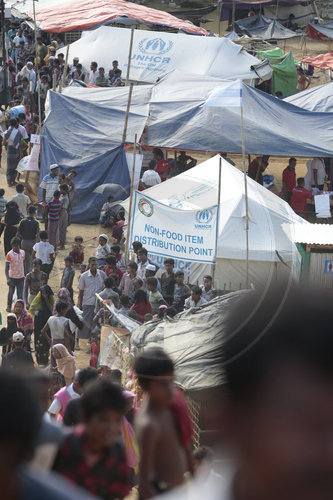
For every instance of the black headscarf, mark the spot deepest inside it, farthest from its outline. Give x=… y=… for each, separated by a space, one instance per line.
x=12 y=215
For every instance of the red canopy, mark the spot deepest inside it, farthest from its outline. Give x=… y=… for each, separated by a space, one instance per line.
x=324 y=61
x=80 y=14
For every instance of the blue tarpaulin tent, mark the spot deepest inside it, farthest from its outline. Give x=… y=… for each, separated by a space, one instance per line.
x=83 y=131
x=319 y=99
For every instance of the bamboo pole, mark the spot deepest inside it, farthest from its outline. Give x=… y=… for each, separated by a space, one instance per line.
x=246 y=199
x=131 y=200
x=218 y=214
x=129 y=56
x=127 y=113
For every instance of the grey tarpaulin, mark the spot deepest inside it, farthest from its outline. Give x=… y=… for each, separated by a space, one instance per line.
x=194 y=340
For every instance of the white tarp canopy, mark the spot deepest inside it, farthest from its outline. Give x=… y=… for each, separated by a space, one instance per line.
x=271 y=248
x=156 y=53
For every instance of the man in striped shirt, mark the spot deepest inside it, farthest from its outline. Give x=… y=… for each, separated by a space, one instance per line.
x=53 y=208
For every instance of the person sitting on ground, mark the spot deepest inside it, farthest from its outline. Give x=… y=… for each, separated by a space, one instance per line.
x=101 y=466
x=299 y=197
x=208 y=292
x=44 y=251
x=103 y=249
x=23 y=201
x=163 y=426
x=109 y=211
x=150 y=177
x=101 y=80
x=163 y=167
x=155 y=298
x=141 y=305
x=196 y=299
x=19 y=359
x=77 y=251
x=181 y=291
x=184 y=162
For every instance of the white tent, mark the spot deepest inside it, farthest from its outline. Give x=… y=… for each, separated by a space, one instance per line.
x=272 y=253
x=156 y=53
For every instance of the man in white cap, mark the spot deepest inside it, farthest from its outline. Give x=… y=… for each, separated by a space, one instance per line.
x=31 y=76
x=19 y=358
x=50 y=183
x=151 y=270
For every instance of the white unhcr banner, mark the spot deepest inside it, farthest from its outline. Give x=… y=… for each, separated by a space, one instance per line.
x=181 y=234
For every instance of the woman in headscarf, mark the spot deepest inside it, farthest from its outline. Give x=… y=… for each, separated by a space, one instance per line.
x=63 y=295
x=24 y=321
x=41 y=308
x=6 y=334
x=65 y=362
x=11 y=221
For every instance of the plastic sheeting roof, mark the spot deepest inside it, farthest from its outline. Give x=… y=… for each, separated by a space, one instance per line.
x=72 y=15
x=179 y=120
x=155 y=53
x=315 y=234
x=194 y=340
x=265 y=28
x=324 y=61
x=320 y=31
x=319 y=99
x=197 y=189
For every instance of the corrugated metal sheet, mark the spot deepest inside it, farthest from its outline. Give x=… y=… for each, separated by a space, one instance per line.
x=312 y=234
x=321 y=269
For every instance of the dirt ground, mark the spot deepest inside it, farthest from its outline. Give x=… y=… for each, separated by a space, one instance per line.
x=91 y=232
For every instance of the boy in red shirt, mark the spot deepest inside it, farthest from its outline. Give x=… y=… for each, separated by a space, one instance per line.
x=299 y=197
x=163 y=166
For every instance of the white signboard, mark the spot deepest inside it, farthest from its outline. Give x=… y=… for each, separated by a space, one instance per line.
x=189 y=235
x=35 y=139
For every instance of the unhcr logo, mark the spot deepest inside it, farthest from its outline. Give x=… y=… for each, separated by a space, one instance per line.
x=203 y=218
x=156 y=46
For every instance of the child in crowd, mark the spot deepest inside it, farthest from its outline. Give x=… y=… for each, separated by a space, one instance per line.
x=126 y=284
x=137 y=285
x=141 y=305
x=115 y=249
x=68 y=276
x=95 y=349
x=44 y=251
x=181 y=292
x=124 y=304
x=77 y=251
x=103 y=249
x=94 y=458
x=208 y=292
x=111 y=267
x=53 y=210
x=163 y=426
x=155 y=297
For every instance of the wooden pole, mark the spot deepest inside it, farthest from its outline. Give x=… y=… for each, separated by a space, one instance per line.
x=233 y=14
x=218 y=214
x=131 y=200
x=129 y=56
x=37 y=71
x=127 y=113
x=246 y=199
